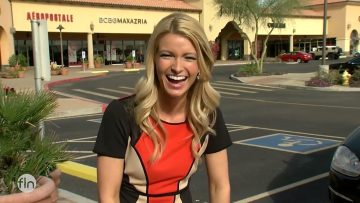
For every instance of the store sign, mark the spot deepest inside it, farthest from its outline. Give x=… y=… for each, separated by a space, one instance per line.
x=54 y=17
x=122 y=20
x=276 y=25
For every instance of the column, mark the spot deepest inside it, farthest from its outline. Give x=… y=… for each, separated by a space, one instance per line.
x=247 y=50
x=90 y=50
x=291 y=48
x=224 y=49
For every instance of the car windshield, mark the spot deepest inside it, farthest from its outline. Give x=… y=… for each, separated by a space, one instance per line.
x=355 y=60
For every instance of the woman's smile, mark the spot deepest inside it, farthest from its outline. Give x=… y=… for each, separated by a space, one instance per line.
x=176 y=65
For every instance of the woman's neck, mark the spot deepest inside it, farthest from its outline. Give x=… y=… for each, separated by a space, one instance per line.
x=172 y=110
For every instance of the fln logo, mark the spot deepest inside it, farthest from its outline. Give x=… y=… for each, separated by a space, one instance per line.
x=26 y=183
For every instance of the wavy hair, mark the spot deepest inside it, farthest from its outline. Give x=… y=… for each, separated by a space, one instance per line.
x=203 y=97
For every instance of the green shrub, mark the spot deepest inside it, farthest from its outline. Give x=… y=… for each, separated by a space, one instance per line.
x=19 y=59
x=355 y=79
x=21 y=148
x=99 y=59
x=248 y=70
x=129 y=58
x=325 y=79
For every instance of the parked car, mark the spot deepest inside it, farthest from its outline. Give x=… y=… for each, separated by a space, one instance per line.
x=297 y=56
x=350 y=65
x=344 y=185
x=331 y=52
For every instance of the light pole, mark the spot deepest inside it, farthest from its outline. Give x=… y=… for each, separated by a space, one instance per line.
x=324 y=33
x=60 y=27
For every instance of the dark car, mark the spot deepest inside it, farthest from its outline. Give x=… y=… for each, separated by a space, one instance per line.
x=344 y=185
x=350 y=65
x=297 y=56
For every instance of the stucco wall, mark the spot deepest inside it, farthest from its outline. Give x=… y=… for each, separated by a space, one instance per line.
x=6 y=38
x=302 y=25
x=80 y=17
x=352 y=23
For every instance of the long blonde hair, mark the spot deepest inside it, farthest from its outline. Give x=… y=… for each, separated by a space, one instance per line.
x=202 y=96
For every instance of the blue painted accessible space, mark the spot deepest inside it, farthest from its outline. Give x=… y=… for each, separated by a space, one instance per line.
x=291 y=143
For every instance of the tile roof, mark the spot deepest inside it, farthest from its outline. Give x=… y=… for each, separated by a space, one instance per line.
x=321 y=2
x=149 y=4
x=307 y=12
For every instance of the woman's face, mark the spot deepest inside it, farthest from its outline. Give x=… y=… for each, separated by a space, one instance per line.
x=176 y=65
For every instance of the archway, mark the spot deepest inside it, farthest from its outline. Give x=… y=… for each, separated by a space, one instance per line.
x=1 y=45
x=231 y=42
x=354 y=42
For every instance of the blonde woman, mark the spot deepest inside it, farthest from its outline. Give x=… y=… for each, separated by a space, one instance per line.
x=149 y=144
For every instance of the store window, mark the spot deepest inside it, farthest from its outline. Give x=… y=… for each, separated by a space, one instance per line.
x=74 y=52
x=114 y=52
x=99 y=48
x=55 y=53
x=128 y=47
x=25 y=47
x=235 y=49
x=139 y=51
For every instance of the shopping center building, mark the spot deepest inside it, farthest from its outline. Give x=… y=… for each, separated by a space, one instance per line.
x=116 y=28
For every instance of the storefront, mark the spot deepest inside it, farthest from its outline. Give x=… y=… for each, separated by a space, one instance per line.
x=114 y=30
x=111 y=31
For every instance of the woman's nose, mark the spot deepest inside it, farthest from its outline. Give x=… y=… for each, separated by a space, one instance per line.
x=177 y=65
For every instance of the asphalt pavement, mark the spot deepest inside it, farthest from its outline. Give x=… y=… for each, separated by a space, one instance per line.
x=75 y=106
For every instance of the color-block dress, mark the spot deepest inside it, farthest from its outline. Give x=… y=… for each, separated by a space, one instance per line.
x=167 y=179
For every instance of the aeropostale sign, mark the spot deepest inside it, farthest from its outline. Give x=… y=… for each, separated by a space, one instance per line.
x=54 y=17
x=122 y=20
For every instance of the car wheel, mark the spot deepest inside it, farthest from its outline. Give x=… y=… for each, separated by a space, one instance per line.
x=298 y=60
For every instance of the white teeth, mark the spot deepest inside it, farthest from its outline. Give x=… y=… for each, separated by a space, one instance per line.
x=174 y=77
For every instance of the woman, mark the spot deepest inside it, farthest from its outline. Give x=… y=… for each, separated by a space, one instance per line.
x=150 y=144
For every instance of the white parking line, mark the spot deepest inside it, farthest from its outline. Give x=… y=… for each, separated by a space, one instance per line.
x=115 y=91
x=246 y=84
x=96 y=94
x=77 y=139
x=293 y=103
x=74 y=96
x=124 y=87
x=79 y=152
x=86 y=156
x=229 y=93
x=243 y=86
x=281 y=189
x=231 y=89
x=291 y=132
x=82 y=141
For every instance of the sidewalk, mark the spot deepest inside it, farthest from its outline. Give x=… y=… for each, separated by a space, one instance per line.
x=71 y=105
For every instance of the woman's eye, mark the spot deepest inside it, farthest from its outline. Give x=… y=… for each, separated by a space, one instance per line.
x=165 y=55
x=190 y=58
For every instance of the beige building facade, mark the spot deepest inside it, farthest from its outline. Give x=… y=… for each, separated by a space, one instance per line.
x=116 y=30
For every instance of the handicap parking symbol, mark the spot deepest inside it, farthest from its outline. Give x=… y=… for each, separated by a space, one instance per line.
x=291 y=143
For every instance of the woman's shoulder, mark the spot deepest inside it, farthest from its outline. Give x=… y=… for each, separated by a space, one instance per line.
x=122 y=105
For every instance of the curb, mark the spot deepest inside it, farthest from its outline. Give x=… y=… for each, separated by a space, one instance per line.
x=69 y=197
x=334 y=88
x=79 y=170
x=59 y=82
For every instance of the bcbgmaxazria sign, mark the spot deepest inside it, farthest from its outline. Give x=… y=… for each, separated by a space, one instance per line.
x=122 y=20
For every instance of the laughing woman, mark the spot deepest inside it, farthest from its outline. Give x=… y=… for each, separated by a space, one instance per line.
x=150 y=144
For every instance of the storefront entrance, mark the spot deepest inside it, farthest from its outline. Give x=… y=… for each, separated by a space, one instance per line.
x=235 y=49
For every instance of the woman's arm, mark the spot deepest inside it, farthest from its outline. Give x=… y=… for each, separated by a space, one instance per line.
x=109 y=177
x=218 y=174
